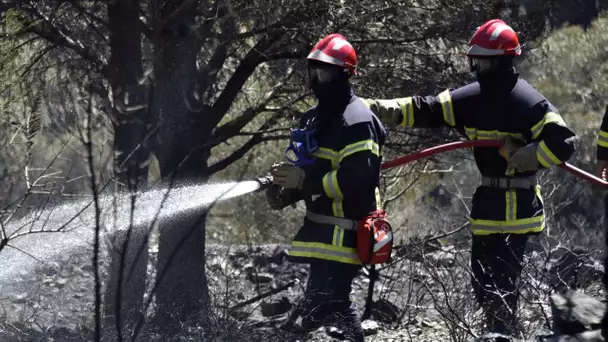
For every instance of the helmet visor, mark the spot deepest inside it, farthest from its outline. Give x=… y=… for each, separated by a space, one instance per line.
x=321 y=73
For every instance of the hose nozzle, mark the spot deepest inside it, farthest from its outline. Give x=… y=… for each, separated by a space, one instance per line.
x=265 y=182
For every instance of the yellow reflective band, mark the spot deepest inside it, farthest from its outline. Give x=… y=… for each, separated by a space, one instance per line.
x=335 y=236
x=337 y=207
x=549 y=117
x=378 y=198
x=446 y=105
x=336 y=157
x=363 y=145
x=407 y=109
x=332 y=190
x=338 y=238
x=539 y=194
x=324 y=251
x=474 y=133
x=471 y=132
x=331 y=155
x=325 y=153
x=330 y=185
x=511 y=205
x=602 y=139
x=522 y=226
x=545 y=157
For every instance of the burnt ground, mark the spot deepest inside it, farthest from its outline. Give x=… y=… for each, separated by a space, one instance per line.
x=424 y=296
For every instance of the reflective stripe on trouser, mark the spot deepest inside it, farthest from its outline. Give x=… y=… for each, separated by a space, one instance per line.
x=521 y=226
x=324 y=251
x=324 y=242
x=517 y=216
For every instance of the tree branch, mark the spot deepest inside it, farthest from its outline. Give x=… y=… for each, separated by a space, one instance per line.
x=208 y=75
x=240 y=152
x=56 y=35
x=254 y=57
x=232 y=128
x=88 y=14
x=37 y=58
x=294 y=54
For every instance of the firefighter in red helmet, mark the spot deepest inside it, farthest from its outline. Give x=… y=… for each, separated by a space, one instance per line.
x=507 y=207
x=334 y=166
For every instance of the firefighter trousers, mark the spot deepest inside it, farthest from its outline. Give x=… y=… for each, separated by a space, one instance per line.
x=496 y=262
x=327 y=299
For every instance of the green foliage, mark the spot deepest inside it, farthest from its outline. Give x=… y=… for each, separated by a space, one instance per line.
x=571 y=69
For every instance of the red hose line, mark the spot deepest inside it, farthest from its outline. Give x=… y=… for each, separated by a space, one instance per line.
x=457 y=145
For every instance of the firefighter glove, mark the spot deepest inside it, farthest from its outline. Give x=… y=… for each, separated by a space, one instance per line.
x=288 y=175
x=510 y=146
x=275 y=196
x=524 y=159
x=388 y=111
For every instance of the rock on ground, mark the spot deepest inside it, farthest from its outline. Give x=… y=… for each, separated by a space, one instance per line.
x=575 y=312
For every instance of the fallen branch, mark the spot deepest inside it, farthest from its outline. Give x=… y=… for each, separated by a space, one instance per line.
x=263 y=295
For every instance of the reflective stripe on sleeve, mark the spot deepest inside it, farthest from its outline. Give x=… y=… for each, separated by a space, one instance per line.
x=407 y=109
x=549 y=117
x=448 y=109
x=545 y=157
x=602 y=139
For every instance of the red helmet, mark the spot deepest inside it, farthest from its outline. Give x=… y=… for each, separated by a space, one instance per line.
x=336 y=50
x=494 y=38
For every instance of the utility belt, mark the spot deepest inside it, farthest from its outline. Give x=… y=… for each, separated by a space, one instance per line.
x=374 y=234
x=341 y=222
x=509 y=183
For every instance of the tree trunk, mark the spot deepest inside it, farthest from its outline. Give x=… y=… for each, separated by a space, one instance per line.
x=182 y=293
x=126 y=286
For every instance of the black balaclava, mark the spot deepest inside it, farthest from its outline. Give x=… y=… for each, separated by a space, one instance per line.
x=329 y=83
x=502 y=73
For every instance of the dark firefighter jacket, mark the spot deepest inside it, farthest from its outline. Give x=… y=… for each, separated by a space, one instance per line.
x=494 y=110
x=602 y=139
x=343 y=180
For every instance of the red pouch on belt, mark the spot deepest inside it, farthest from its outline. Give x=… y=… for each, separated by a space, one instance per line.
x=374 y=238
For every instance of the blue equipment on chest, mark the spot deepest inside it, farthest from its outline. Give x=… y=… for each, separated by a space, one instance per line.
x=302 y=146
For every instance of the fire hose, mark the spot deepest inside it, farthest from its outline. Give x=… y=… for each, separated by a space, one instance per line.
x=457 y=145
